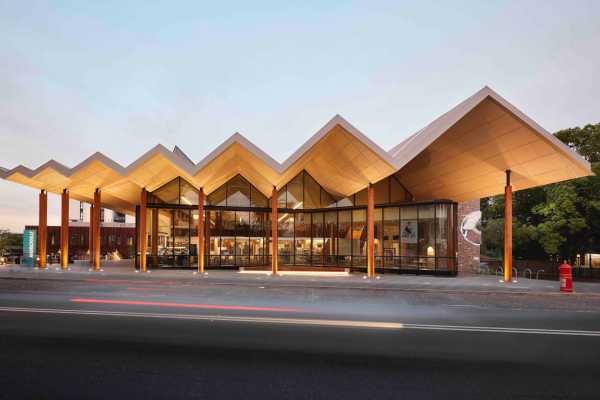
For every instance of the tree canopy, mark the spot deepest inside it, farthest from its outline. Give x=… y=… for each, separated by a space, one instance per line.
x=562 y=219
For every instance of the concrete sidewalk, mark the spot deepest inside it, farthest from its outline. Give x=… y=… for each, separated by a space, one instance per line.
x=123 y=270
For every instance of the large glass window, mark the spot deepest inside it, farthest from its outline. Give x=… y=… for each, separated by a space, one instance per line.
x=327 y=200
x=426 y=237
x=285 y=243
x=242 y=250
x=294 y=196
x=303 y=244
x=228 y=223
x=238 y=192
x=228 y=238
x=218 y=197
x=381 y=191
x=378 y=236
x=242 y=233
x=330 y=236
x=194 y=237
x=359 y=237
x=242 y=223
x=317 y=239
x=304 y=192
x=409 y=237
x=391 y=236
x=257 y=241
x=213 y=230
x=312 y=193
x=181 y=232
x=361 y=198
x=177 y=191
x=257 y=198
x=165 y=237
x=188 y=194
x=397 y=191
x=281 y=198
x=386 y=191
x=345 y=237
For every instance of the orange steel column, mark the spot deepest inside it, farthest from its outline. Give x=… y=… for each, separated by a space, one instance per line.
x=201 y=231
x=154 y=244
x=143 y=238
x=64 y=229
x=42 y=227
x=370 y=232
x=508 y=229
x=96 y=230
x=274 y=232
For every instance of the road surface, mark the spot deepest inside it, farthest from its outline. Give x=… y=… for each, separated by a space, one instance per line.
x=130 y=338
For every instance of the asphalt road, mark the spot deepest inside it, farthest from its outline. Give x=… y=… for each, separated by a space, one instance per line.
x=103 y=338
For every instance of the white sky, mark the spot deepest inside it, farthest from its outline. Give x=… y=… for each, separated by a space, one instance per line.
x=84 y=77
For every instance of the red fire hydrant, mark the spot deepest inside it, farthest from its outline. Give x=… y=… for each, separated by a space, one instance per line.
x=566 y=278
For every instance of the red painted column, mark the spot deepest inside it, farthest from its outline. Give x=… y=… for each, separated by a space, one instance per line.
x=64 y=229
x=42 y=227
x=201 y=231
x=143 y=237
x=96 y=230
x=274 y=233
x=508 y=229
x=370 y=231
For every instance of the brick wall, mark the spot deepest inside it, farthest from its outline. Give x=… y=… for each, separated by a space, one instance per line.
x=468 y=253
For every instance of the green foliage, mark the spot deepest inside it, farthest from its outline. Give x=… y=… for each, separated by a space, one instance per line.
x=9 y=240
x=559 y=219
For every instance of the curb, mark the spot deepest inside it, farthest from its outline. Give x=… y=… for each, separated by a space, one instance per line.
x=377 y=286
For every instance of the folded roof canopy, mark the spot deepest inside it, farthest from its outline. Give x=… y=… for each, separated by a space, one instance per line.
x=461 y=155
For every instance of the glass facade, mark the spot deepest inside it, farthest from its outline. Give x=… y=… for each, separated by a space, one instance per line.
x=314 y=229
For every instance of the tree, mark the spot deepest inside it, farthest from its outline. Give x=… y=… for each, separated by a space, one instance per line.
x=560 y=219
x=8 y=240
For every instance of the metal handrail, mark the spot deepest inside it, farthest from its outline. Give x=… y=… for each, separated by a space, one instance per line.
x=537 y=274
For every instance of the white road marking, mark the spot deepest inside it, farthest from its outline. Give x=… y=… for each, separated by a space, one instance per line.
x=310 y=322
x=464 y=305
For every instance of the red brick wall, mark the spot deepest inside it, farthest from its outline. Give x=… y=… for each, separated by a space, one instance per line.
x=468 y=253
x=111 y=239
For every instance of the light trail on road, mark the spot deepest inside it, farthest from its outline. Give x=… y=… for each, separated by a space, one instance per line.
x=183 y=305
x=310 y=322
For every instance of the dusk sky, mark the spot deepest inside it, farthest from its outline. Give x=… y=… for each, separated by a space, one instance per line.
x=80 y=77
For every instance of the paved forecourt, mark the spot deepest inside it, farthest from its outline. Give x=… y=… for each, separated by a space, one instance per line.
x=389 y=281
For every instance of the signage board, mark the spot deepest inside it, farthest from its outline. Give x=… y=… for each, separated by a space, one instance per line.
x=29 y=247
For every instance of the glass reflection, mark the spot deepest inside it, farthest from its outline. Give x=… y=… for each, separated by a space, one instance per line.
x=285 y=242
x=411 y=237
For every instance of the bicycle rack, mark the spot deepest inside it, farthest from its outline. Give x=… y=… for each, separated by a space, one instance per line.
x=537 y=274
x=530 y=273
x=515 y=275
x=499 y=269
